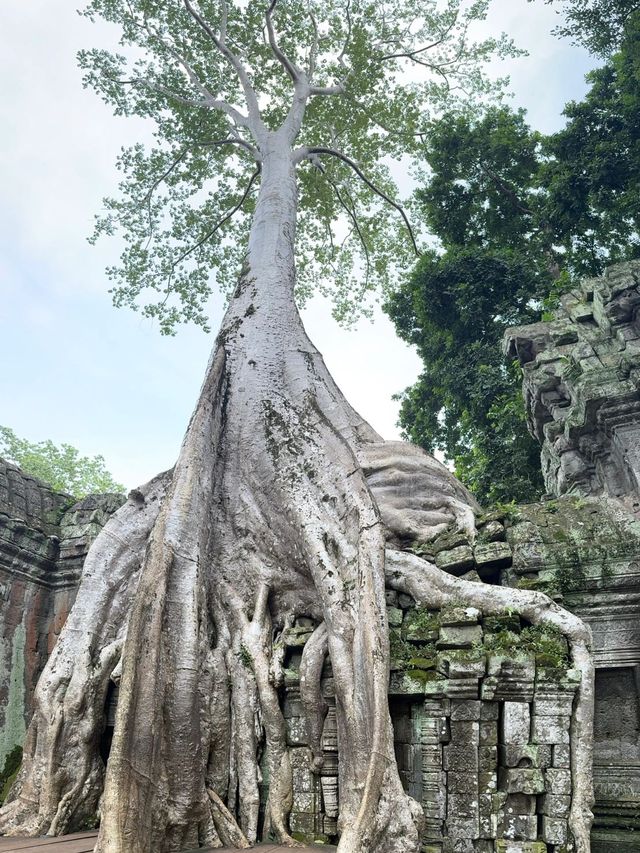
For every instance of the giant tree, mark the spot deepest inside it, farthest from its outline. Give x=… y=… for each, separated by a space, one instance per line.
x=282 y=498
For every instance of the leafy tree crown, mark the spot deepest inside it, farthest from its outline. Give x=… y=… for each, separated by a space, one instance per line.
x=350 y=82
x=61 y=466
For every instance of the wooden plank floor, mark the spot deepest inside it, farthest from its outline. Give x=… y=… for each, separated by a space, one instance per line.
x=83 y=842
x=80 y=842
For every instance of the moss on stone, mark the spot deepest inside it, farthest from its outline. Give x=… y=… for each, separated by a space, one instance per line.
x=420 y=624
x=404 y=655
x=10 y=771
x=544 y=642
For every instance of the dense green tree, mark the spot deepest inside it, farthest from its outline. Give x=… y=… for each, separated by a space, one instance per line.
x=599 y=25
x=482 y=179
x=592 y=173
x=550 y=209
x=455 y=309
x=61 y=466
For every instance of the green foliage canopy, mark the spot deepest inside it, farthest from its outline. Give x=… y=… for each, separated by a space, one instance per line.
x=592 y=177
x=520 y=216
x=214 y=77
x=454 y=309
x=598 y=25
x=480 y=185
x=62 y=467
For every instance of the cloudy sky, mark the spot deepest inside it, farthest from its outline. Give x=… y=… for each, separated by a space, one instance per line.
x=74 y=368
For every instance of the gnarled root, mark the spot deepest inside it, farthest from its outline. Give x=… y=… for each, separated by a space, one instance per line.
x=417 y=496
x=314 y=706
x=61 y=776
x=431 y=587
x=230 y=833
x=256 y=640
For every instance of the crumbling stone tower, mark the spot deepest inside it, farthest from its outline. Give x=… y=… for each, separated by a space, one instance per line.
x=581 y=386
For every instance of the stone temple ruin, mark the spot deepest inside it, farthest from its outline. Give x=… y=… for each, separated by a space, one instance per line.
x=480 y=706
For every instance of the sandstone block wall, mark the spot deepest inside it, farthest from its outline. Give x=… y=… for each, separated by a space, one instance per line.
x=44 y=538
x=581 y=386
x=481 y=711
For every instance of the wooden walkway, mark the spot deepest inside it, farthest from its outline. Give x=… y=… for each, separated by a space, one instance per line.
x=84 y=842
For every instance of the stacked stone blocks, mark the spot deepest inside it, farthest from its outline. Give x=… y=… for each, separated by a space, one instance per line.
x=481 y=736
x=44 y=539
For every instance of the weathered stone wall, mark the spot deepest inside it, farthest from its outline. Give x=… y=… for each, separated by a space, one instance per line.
x=44 y=538
x=581 y=387
x=586 y=551
x=481 y=713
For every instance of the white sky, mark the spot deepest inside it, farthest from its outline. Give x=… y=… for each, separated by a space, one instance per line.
x=75 y=369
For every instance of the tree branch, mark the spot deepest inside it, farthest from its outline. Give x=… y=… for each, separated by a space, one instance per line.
x=182 y=61
x=347 y=38
x=154 y=186
x=313 y=50
x=332 y=152
x=410 y=54
x=351 y=212
x=338 y=89
x=235 y=140
x=209 y=103
x=209 y=99
x=506 y=188
x=209 y=234
x=232 y=59
x=290 y=67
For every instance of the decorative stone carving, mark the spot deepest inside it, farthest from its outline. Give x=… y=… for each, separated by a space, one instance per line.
x=581 y=377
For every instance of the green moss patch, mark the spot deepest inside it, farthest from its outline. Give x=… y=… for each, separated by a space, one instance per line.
x=9 y=772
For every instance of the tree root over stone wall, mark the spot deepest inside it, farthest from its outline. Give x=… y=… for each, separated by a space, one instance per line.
x=279 y=506
x=431 y=587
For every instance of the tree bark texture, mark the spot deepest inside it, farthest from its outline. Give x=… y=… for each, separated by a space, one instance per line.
x=279 y=505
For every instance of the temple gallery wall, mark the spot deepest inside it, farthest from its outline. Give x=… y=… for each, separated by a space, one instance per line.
x=481 y=707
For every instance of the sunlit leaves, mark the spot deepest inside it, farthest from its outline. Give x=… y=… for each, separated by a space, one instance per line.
x=61 y=466
x=394 y=63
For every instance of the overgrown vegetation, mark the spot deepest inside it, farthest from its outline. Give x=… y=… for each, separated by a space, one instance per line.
x=519 y=216
x=61 y=466
x=407 y=656
x=10 y=771
x=544 y=642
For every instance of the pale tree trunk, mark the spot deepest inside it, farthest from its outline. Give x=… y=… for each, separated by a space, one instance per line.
x=267 y=515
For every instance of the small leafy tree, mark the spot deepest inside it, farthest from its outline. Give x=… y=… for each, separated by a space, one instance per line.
x=61 y=466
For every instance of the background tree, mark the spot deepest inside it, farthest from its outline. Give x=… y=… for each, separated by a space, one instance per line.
x=467 y=402
x=62 y=467
x=592 y=172
x=599 y=25
x=520 y=217
x=275 y=506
